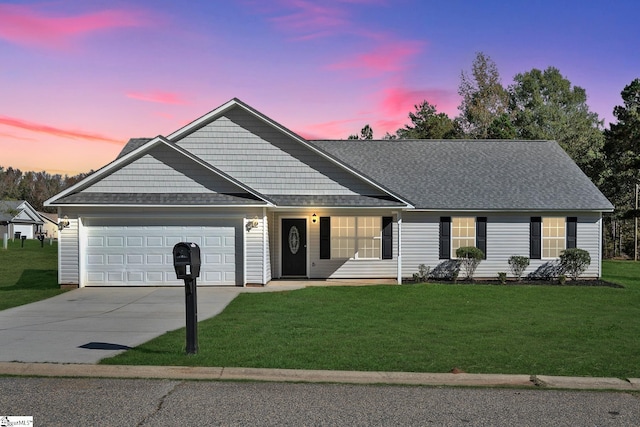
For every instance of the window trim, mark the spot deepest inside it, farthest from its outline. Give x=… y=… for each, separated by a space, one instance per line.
x=536 y=235
x=385 y=237
x=445 y=237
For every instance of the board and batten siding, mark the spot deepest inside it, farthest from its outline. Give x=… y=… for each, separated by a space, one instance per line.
x=268 y=160
x=162 y=170
x=68 y=254
x=507 y=235
x=336 y=268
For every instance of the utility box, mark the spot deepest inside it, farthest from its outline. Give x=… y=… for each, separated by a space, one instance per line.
x=186 y=260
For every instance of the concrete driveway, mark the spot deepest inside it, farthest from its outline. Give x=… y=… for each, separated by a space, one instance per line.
x=89 y=324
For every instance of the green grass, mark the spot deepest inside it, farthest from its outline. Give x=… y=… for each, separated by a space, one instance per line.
x=552 y=330
x=29 y=273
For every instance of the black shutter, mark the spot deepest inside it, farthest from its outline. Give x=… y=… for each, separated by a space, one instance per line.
x=325 y=237
x=387 y=237
x=535 y=238
x=572 y=231
x=481 y=235
x=445 y=237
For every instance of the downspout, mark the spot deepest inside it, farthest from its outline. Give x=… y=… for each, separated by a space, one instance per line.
x=399 y=247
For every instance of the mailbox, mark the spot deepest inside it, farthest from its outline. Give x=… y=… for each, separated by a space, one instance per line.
x=186 y=260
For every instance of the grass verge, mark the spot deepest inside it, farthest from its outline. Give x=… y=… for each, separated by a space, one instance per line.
x=29 y=273
x=552 y=330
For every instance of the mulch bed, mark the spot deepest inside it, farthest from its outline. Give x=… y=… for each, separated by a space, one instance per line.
x=525 y=282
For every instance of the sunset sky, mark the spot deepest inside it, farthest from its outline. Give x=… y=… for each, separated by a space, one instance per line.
x=79 y=78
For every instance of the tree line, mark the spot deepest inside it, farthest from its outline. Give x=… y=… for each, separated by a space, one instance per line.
x=543 y=104
x=34 y=187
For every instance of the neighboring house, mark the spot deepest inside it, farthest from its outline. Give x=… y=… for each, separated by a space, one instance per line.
x=18 y=216
x=264 y=203
x=50 y=227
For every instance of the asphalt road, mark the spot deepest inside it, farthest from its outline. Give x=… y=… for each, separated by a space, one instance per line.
x=121 y=402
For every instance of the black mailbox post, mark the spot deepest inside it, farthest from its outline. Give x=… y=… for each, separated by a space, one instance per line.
x=186 y=261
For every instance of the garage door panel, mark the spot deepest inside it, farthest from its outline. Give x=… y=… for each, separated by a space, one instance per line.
x=135 y=259
x=117 y=259
x=115 y=241
x=135 y=241
x=140 y=255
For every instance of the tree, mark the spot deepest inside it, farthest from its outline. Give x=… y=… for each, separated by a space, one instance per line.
x=544 y=105
x=427 y=123
x=484 y=99
x=622 y=172
x=365 y=133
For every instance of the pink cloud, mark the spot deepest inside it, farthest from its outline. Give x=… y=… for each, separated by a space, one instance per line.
x=158 y=97
x=402 y=101
x=27 y=25
x=387 y=57
x=309 y=19
x=334 y=129
x=50 y=130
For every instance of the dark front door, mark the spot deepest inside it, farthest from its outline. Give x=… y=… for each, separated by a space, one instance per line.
x=294 y=247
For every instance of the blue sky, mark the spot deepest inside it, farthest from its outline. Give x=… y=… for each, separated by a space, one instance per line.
x=79 y=78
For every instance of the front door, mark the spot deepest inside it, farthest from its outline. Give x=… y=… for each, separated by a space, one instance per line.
x=294 y=247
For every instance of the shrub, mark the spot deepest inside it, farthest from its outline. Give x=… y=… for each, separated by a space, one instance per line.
x=574 y=262
x=470 y=258
x=422 y=275
x=518 y=264
x=502 y=278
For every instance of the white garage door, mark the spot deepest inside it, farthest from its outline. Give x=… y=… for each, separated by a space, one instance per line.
x=24 y=229
x=139 y=256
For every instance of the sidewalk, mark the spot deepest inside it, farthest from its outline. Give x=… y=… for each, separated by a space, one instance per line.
x=312 y=376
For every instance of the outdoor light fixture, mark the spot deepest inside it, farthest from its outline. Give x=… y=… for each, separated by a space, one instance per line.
x=314 y=218
x=252 y=223
x=64 y=223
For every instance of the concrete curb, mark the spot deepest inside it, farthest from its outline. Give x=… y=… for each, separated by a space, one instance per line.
x=315 y=376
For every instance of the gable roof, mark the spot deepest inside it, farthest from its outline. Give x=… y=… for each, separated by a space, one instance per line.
x=80 y=193
x=474 y=174
x=19 y=211
x=439 y=175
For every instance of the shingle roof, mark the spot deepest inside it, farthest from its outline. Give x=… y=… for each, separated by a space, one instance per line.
x=131 y=145
x=204 y=199
x=8 y=208
x=473 y=174
x=335 y=201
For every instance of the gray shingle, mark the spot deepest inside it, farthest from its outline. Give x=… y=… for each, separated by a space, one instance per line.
x=208 y=199
x=132 y=144
x=473 y=174
x=336 y=201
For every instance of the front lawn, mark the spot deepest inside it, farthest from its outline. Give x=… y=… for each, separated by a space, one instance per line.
x=552 y=330
x=29 y=273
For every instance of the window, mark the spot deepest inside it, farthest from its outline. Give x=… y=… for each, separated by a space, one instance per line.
x=458 y=232
x=553 y=237
x=463 y=233
x=549 y=236
x=355 y=237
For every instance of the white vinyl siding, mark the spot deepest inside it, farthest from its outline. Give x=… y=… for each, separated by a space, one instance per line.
x=68 y=262
x=255 y=253
x=507 y=235
x=342 y=268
